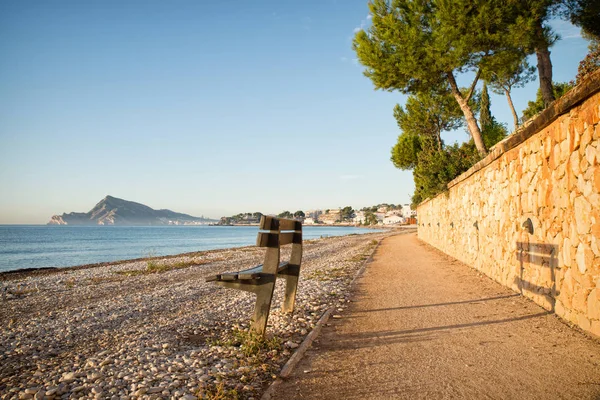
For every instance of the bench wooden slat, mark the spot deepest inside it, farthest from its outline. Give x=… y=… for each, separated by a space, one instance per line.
x=269 y=223
x=250 y=273
x=265 y=239
x=290 y=225
x=290 y=237
x=228 y=276
x=278 y=224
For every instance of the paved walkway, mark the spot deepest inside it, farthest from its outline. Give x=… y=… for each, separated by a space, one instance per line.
x=423 y=325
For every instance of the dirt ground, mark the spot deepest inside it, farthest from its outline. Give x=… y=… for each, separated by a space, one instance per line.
x=423 y=325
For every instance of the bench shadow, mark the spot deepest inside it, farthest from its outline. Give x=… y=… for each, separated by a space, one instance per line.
x=538 y=258
x=450 y=303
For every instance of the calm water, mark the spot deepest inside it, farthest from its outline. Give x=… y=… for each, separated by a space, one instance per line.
x=27 y=246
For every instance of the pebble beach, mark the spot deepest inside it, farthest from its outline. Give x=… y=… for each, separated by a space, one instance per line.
x=154 y=329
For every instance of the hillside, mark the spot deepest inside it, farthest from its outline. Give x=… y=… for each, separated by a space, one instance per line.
x=114 y=211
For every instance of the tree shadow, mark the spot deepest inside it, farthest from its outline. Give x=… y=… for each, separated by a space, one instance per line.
x=450 y=303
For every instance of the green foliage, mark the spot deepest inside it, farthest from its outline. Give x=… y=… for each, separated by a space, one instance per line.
x=433 y=163
x=534 y=107
x=370 y=218
x=285 y=214
x=156 y=267
x=591 y=62
x=406 y=150
x=241 y=218
x=582 y=13
x=509 y=71
x=347 y=213
x=429 y=113
x=485 y=114
x=299 y=214
x=218 y=391
x=492 y=131
x=436 y=168
x=419 y=46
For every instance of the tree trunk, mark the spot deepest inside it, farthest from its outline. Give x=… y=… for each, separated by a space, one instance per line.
x=512 y=108
x=469 y=116
x=544 y=65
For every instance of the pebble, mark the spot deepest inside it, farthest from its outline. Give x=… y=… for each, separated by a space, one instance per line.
x=95 y=333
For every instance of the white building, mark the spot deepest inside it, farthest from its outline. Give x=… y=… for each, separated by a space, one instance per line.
x=393 y=219
x=408 y=212
x=359 y=217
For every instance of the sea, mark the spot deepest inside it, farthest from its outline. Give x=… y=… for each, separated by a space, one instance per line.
x=42 y=246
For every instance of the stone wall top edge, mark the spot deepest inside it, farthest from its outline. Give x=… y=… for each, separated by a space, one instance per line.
x=575 y=96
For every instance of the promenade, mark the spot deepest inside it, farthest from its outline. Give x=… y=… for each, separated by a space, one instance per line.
x=422 y=325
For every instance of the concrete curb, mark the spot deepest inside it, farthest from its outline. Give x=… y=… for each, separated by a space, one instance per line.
x=289 y=366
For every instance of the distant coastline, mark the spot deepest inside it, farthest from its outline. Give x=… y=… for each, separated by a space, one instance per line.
x=41 y=249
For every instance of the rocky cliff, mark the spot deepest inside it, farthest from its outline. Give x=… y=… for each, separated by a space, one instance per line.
x=114 y=211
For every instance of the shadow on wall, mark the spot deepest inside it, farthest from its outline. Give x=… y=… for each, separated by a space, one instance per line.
x=537 y=275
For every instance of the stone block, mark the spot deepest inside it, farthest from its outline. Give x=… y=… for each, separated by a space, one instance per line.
x=586 y=137
x=590 y=155
x=595 y=328
x=596 y=180
x=579 y=302
x=582 y=215
x=594 y=246
x=584 y=322
x=574 y=134
x=559 y=308
x=566 y=251
x=593 y=305
x=574 y=163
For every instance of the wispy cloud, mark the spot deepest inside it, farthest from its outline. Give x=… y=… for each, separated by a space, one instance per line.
x=344 y=59
x=566 y=30
x=363 y=24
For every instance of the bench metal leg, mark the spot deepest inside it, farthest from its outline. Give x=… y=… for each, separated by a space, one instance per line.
x=264 y=295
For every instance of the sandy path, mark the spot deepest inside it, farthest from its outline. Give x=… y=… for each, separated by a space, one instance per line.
x=423 y=325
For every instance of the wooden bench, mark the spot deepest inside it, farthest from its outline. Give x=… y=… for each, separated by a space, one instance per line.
x=275 y=232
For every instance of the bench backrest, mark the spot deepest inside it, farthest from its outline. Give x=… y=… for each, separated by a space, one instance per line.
x=277 y=232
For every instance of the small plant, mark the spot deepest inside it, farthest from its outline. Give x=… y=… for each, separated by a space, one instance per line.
x=249 y=342
x=373 y=242
x=155 y=267
x=218 y=392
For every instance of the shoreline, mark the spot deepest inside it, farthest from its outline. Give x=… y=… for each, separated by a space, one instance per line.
x=116 y=330
x=23 y=273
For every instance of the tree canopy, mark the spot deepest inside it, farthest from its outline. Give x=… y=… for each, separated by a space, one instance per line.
x=420 y=46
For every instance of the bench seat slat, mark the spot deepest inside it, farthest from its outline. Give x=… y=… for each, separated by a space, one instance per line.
x=228 y=276
x=247 y=274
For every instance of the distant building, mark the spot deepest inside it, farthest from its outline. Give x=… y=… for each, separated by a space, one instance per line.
x=393 y=219
x=314 y=214
x=309 y=221
x=359 y=217
x=408 y=212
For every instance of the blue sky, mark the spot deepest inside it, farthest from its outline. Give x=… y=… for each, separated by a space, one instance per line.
x=203 y=107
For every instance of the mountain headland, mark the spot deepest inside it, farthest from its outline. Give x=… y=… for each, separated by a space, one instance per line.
x=113 y=211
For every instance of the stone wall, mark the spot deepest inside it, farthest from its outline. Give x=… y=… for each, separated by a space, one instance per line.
x=528 y=215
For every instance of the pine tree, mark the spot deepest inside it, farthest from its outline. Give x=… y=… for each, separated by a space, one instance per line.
x=485 y=114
